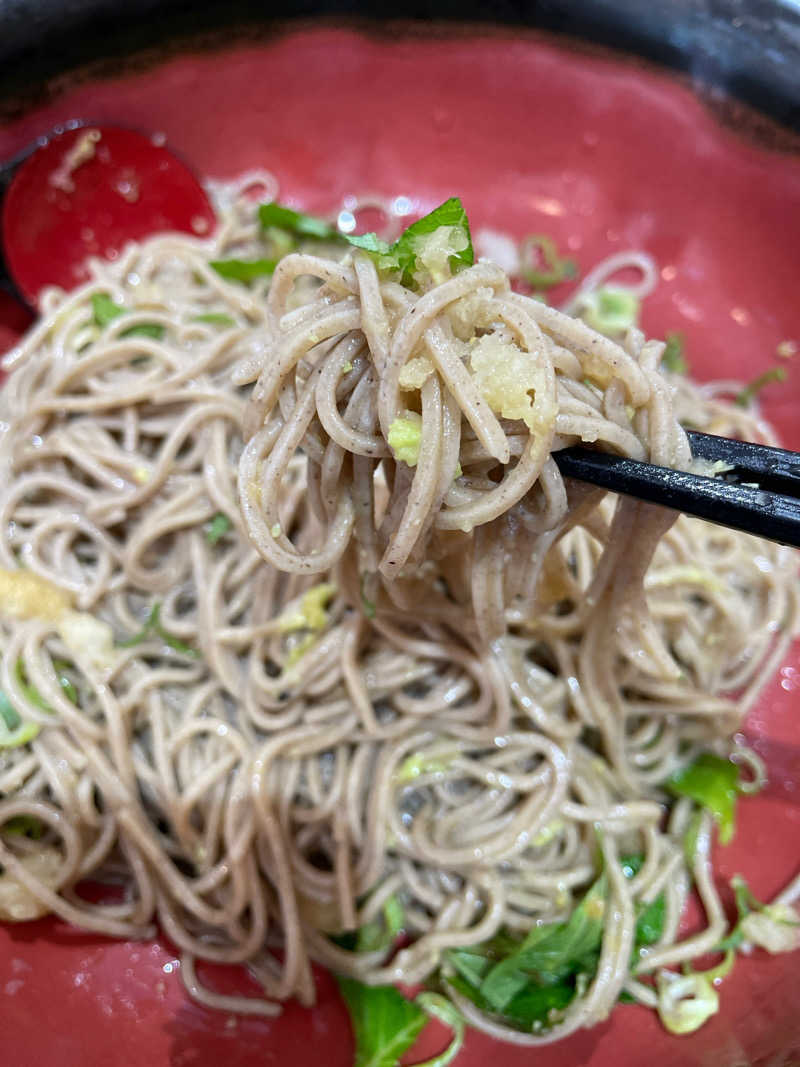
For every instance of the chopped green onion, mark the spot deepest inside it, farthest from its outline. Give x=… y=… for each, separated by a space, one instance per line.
x=13 y=731
x=244 y=270
x=610 y=309
x=23 y=826
x=446 y=1012
x=673 y=358
x=714 y=783
x=747 y=395
x=685 y=1001
x=557 y=269
x=217 y=527
x=153 y=628
x=215 y=318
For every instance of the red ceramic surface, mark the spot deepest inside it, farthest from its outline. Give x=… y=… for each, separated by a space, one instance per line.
x=602 y=155
x=88 y=191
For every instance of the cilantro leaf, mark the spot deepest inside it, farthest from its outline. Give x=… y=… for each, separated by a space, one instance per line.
x=243 y=270
x=385 y=1024
x=713 y=783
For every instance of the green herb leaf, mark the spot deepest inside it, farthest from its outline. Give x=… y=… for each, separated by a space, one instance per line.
x=153 y=628
x=552 y=952
x=746 y=397
x=215 y=318
x=105 y=310
x=714 y=783
x=385 y=1024
x=422 y=246
x=243 y=270
x=381 y=934
x=673 y=358
x=217 y=528
x=650 y=920
x=296 y=222
x=553 y=269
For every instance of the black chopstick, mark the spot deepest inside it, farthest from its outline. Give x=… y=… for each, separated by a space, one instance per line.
x=767 y=505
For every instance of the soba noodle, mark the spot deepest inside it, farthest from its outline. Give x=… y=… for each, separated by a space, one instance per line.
x=264 y=710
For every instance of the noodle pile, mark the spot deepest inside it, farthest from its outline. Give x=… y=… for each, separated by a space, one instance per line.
x=263 y=709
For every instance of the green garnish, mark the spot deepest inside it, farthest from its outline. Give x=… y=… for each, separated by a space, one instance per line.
x=713 y=783
x=13 y=731
x=215 y=318
x=775 y=927
x=610 y=309
x=217 y=527
x=381 y=934
x=557 y=269
x=105 y=310
x=24 y=826
x=673 y=358
x=244 y=270
x=439 y=240
x=153 y=628
x=747 y=395
x=296 y=222
x=385 y=1024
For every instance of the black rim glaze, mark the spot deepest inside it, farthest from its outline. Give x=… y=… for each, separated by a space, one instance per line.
x=749 y=49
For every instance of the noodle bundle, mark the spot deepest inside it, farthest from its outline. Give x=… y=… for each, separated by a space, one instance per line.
x=301 y=627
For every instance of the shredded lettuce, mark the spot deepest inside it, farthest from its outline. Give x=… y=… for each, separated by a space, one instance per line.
x=550 y=269
x=105 y=310
x=747 y=395
x=244 y=270
x=712 y=782
x=405 y=438
x=154 y=628
x=445 y=1011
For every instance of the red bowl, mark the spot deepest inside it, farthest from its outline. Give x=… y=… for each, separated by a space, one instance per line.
x=603 y=154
